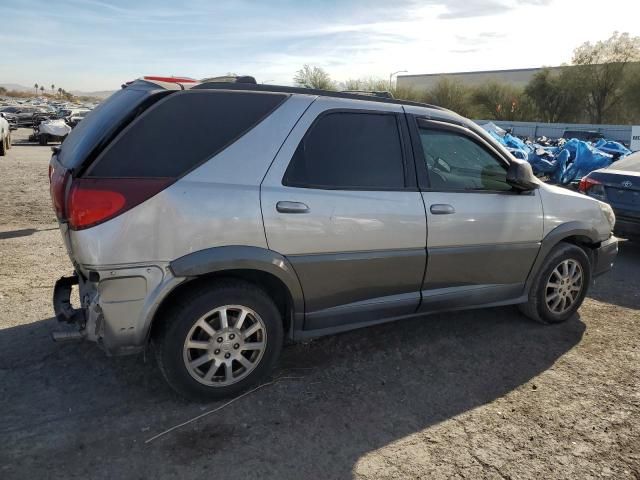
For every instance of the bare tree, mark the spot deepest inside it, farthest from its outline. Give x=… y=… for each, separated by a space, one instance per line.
x=601 y=68
x=313 y=77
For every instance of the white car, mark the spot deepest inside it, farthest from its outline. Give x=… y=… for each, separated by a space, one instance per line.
x=5 y=136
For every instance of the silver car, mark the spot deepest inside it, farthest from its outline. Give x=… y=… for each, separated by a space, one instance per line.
x=215 y=221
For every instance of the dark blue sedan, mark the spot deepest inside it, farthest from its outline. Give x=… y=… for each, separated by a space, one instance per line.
x=619 y=186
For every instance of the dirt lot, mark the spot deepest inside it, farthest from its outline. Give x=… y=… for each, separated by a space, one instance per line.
x=480 y=394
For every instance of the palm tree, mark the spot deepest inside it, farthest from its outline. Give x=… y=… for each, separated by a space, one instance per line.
x=60 y=91
x=35 y=85
x=42 y=89
x=52 y=88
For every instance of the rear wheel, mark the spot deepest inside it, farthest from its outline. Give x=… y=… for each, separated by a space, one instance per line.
x=43 y=139
x=560 y=286
x=9 y=140
x=3 y=147
x=218 y=340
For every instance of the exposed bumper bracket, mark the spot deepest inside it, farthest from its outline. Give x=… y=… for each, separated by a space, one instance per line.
x=62 y=302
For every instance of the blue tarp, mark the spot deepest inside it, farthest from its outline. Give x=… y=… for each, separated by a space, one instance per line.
x=564 y=164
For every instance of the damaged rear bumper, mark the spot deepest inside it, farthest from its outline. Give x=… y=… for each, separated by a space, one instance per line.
x=117 y=305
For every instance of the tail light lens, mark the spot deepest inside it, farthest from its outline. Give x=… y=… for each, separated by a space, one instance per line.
x=57 y=187
x=92 y=201
x=593 y=188
x=586 y=183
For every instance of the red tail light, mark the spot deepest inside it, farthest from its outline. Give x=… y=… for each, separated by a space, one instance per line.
x=57 y=187
x=95 y=200
x=586 y=183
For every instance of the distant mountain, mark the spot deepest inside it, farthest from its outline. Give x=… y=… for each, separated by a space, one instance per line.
x=78 y=93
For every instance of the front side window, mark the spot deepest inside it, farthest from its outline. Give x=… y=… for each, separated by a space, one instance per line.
x=344 y=150
x=456 y=162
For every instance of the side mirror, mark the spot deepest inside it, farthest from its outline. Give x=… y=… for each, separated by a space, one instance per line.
x=520 y=176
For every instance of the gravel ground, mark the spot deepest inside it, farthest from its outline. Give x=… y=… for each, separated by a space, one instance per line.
x=479 y=394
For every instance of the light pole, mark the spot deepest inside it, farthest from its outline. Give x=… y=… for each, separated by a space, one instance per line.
x=392 y=74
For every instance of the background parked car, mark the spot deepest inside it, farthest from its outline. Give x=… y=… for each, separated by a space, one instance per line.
x=619 y=186
x=76 y=117
x=23 y=116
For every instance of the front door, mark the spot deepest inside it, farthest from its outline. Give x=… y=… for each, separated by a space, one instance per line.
x=340 y=202
x=483 y=235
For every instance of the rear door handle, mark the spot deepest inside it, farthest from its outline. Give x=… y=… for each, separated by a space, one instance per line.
x=292 y=207
x=442 y=209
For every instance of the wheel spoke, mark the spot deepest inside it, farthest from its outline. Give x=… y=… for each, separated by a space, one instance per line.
x=553 y=285
x=206 y=327
x=200 y=361
x=197 y=344
x=553 y=296
x=241 y=318
x=251 y=330
x=228 y=372
x=212 y=370
x=244 y=361
x=556 y=303
x=252 y=346
x=565 y=268
x=224 y=321
x=572 y=270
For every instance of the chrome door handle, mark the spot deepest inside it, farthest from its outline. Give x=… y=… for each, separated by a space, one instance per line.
x=292 y=207
x=442 y=209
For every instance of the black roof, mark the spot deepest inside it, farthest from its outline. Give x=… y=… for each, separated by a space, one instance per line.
x=307 y=91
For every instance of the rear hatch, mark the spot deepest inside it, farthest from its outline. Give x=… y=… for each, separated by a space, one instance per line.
x=140 y=141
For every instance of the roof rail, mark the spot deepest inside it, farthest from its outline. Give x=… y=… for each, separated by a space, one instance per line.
x=231 y=79
x=214 y=85
x=372 y=93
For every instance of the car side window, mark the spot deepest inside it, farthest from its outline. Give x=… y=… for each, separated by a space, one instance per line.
x=455 y=162
x=349 y=151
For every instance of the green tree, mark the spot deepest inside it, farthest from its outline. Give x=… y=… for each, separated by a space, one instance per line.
x=42 y=89
x=601 y=68
x=451 y=94
x=35 y=85
x=556 y=97
x=313 y=77
x=501 y=101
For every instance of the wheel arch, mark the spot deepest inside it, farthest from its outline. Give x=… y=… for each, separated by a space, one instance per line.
x=264 y=268
x=576 y=233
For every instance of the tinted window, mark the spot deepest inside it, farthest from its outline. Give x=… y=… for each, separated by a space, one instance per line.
x=455 y=162
x=98 y=126
x=349 y=150
x=182 y=131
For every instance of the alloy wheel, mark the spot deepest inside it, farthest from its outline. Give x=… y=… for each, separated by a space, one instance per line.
x=564 y=286
x=225 y=345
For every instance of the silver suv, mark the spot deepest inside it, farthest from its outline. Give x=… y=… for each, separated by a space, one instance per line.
x=215 y=221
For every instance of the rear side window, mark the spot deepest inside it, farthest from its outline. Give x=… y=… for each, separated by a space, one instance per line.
x=182 y=131
x=345 y=151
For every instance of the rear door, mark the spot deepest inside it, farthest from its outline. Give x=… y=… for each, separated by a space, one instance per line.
x=341 y=203
x=483 y=236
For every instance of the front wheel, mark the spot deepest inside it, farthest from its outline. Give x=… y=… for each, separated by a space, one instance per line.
x=43 y=139
x=560 y=286
x=218 y=340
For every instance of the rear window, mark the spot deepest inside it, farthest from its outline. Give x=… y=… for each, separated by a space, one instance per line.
x=182 y=131
x=100 y=125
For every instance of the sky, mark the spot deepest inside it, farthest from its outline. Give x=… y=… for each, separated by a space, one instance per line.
x=95 y=45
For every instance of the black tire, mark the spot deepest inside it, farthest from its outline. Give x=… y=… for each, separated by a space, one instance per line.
x=176 y=325
x=537 y=308
x=9 y=140
x=42 y=139
x=3 y=147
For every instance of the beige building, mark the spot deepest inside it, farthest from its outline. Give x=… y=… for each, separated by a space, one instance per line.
x=517 y=77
